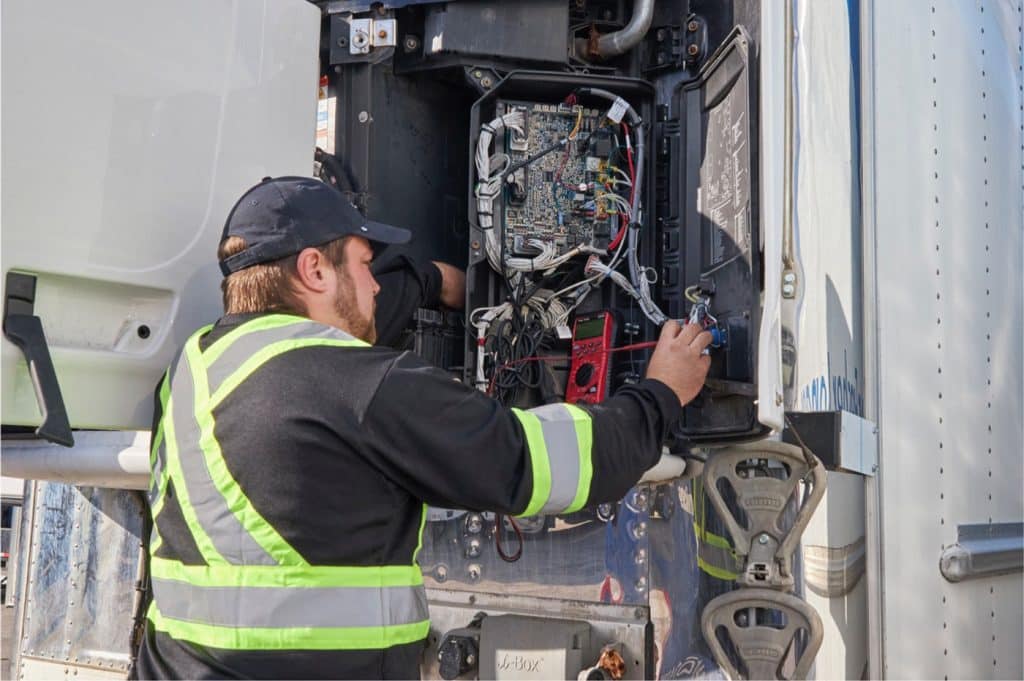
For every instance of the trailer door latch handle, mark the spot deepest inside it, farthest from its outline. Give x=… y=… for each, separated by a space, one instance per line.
x=23 y=328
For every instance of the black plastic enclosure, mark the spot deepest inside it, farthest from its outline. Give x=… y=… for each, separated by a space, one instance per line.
x=407 y=127
x=485 y=286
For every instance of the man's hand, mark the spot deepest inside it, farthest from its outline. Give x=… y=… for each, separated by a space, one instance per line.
x=677 y=360
x=453 y=285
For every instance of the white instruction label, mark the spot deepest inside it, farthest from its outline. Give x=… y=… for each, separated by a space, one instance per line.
x=618 y=110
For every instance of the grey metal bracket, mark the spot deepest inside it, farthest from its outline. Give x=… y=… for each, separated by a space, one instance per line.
x=763 y=493
x=764 y=628
x=984 y=551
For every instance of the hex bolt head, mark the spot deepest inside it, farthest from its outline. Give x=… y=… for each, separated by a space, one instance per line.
x=478 y=73
x=363 y=116
x=692 y=27
x=789 y=278
x=474 y=523
x=788 y=290
x=763 y=539
x=692 y=50
x=486 y=81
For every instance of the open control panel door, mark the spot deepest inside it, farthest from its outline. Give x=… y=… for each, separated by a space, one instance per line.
x=711 y=250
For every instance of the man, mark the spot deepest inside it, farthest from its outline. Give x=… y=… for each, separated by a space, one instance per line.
x=293 y=461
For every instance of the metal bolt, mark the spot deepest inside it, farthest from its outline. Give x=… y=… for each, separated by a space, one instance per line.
x=474 y=523
x=474 y=571
x=473 y=548
x=411 y=43
x=788 y=290
x=692 y=27
x=486 y=81
x=789 y=277
x=441 y=573
x=693 y=50
x=363 y=116
x=471 y=659
x=478 y=73
x=763 y=539
x=382 y=34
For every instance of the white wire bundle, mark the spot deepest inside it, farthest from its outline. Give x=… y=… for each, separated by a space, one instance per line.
x=490 y=173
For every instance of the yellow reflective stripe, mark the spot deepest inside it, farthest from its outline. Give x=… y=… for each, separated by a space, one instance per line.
x=710 y=538
x=585 y=442
x=717 y=572
x=419 y=544
x=291 y=638
x=539 y=462
x=268 y=353
x=273 y=321
x=262 y=532
x=289 y=576
x=203 y=541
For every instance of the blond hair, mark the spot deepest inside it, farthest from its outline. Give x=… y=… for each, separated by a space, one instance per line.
x=268 y=286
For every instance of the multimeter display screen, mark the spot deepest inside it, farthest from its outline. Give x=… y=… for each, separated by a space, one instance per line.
x=590 y=328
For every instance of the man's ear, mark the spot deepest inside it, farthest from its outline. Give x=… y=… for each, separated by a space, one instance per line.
x=311 y=266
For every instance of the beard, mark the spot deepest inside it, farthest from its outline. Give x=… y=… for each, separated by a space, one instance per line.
x=345 y=304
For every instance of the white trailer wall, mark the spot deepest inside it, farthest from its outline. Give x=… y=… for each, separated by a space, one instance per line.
x=943 y=197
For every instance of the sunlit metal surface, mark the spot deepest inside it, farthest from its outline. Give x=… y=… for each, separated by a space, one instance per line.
x=80 y=567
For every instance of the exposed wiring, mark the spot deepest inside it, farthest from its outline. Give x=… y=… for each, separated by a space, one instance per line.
x=499 y=527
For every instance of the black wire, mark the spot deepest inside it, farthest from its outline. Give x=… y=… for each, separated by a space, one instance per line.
x=499 y=527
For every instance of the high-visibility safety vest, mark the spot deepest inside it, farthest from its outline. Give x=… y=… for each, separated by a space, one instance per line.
x=255 y=591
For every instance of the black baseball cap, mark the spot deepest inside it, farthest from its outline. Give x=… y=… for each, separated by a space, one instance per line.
x=283 y=215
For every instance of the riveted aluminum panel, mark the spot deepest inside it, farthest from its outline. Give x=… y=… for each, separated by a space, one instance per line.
x=946 y=139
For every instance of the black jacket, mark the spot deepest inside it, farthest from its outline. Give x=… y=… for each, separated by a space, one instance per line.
x=338 y=448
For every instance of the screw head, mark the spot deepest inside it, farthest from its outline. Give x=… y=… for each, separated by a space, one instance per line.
x=363 y=116
x=411 y=43
x=788 y=289
x=693 y=50
x=486 y=81
x=763 y=539
x=692 y=27
x=478 y=73
x=789 y=277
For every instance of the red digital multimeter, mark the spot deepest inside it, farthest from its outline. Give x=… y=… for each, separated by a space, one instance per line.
x=590 y=372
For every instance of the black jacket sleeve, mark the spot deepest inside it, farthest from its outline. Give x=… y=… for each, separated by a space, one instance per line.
x=405 y=285
x=453 y=446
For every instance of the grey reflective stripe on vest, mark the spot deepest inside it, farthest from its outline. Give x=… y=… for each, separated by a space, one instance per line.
x=158 y=471
x=291 y=607
x=228 y=536
x=559 y=430
x=248 y=344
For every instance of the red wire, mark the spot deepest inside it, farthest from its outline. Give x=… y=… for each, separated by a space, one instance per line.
x=632 y=188
x=625 y=348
